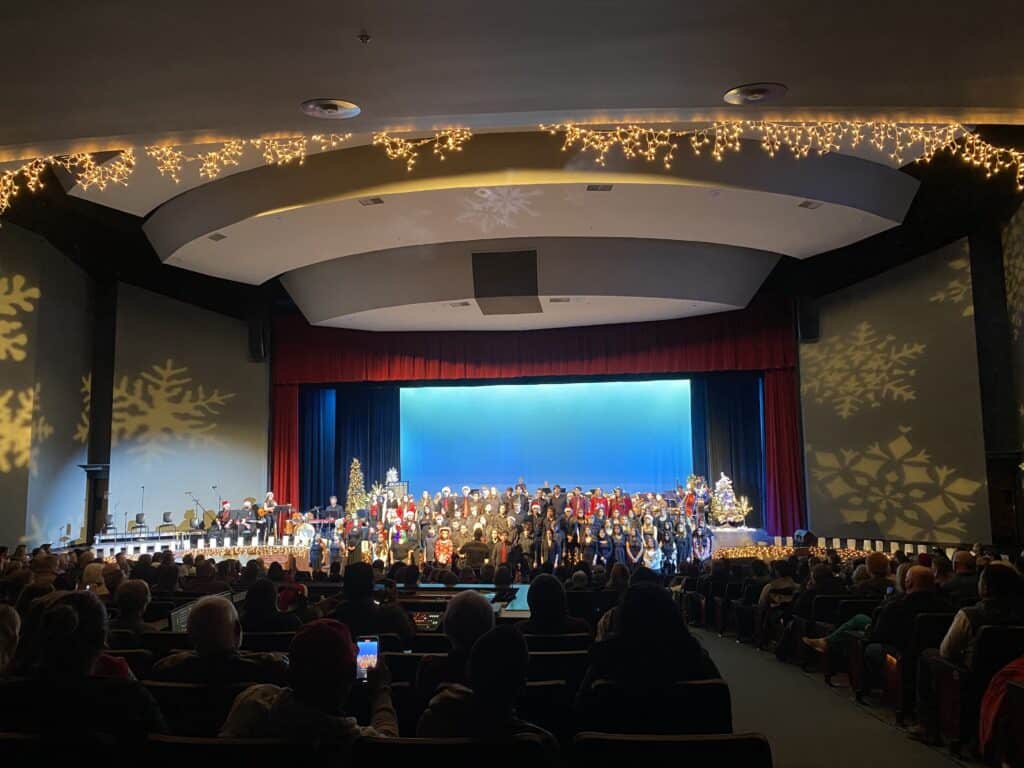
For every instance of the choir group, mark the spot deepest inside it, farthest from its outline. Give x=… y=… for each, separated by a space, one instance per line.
x=522 y=530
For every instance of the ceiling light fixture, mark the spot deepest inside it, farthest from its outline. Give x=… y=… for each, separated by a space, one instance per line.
x=330 y=109
x=755 y=94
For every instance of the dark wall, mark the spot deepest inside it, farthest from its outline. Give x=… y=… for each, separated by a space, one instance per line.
x=891 y=407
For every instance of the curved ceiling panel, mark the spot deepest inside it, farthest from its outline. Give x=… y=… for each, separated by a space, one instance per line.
x=265 y=222
x=516 y=284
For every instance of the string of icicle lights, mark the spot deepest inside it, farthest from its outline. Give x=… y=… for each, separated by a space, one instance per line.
x=899 y=141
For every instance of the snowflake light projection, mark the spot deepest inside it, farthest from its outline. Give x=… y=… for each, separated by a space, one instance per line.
x=958 y=290
x=22 y=429
x=15 y=296
x=895 y=486
x=492 y=208
x=1013 y=270
x=857 y=370
x=159 y=408
x=82 y=427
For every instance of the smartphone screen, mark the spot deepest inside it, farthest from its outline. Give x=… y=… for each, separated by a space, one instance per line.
x=366 y=654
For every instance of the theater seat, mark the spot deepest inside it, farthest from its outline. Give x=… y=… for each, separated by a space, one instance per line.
x=177 y=751
x=164 y=643
x=194 y=709
x=571 y=642
x=899 y=675
x=604 y=750
x=526 y=750
x=20 y=748
x=569 y=666
x=278 y=642
x=139 y=659
x=700 y=706
x=428 y=642
x=959 y=689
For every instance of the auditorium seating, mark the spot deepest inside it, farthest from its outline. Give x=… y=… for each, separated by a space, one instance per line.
x=194 y=709
x=703 y=706
x=164 y=643
x=452 y=753
x=603 y=750
x=958 y=689
x=267 y=641
x=139 y=660
x=899 y=674
x=570 y=642
x=559 y=665
x=176 y=751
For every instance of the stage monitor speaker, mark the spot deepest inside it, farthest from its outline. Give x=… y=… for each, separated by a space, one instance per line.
x=804 y=538
x=808 y=321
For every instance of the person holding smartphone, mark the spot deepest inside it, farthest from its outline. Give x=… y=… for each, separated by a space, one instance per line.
x=325 y=667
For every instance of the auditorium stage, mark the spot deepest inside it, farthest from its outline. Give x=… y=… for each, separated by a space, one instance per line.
x=109 y=545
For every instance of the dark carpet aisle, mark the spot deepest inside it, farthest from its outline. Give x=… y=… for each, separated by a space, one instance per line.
x=808 y=723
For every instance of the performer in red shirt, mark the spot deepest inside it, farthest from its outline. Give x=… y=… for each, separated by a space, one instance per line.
x=444 y=547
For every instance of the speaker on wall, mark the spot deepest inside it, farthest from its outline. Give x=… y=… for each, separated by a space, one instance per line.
x=808 y=321
x=259 y=338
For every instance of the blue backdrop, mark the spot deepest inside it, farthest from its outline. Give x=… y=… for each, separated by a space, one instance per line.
x=634 y=434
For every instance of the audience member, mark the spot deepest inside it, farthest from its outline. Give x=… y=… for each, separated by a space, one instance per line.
x=216 y=636
x=1000 y=605
x=132 y=599
x=823 y=582
x=205 y=582
x=549 y=613
x=63 y=644
x=322 y=673
x=486 y=709
x=468 y=616
x=648 y=626
x=361 y=613
x=962 y=589
x=878 y=582
x=261 y=613
x=10 y=628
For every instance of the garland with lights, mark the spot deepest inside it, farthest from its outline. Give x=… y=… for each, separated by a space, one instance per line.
x=772 y=552
x=649 y=143
x=801 y=139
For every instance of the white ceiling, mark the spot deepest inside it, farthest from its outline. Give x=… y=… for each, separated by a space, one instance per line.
x=259 y=248
x=578 y=311
x=110 y=72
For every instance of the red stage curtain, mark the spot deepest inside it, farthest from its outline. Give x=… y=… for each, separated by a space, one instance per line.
x=285 y=445
x=758 y=338
x=784 y=481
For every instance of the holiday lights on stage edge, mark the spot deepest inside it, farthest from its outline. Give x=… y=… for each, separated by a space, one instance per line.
x=650 y=143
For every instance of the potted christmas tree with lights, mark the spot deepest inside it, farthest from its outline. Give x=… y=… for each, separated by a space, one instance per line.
x=356 y=497
x=724 y=508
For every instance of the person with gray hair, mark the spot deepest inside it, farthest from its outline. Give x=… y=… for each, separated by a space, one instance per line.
x=467 y=618
x=216 y=635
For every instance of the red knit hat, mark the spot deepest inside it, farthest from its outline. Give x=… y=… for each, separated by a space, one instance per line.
x=324 y=643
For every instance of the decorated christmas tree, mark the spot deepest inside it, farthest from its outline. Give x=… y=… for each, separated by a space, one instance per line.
x=724 y=508
x=356 y=498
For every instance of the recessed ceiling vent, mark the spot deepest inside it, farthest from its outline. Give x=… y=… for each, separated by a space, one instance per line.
x=559 y=300
x=217 y=237
x=371 y=201
x=809 y=204
x=599 y=187
x=458 y=304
